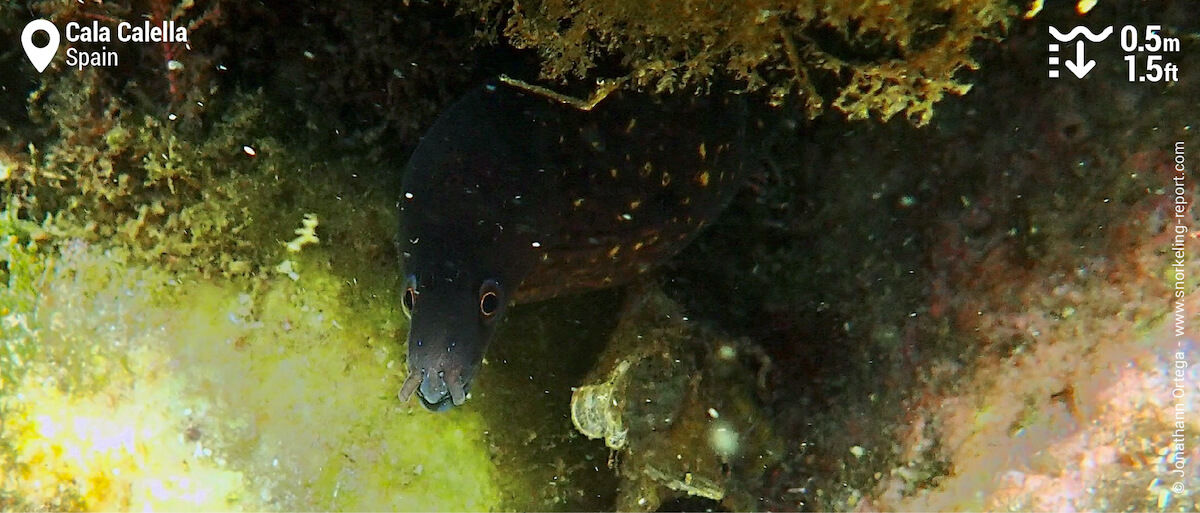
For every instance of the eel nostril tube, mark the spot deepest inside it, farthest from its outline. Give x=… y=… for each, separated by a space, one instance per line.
x=410 y=385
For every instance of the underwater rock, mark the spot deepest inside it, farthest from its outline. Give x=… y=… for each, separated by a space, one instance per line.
x=680 y=405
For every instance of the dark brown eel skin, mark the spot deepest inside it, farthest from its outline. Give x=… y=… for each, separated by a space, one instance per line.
x=514 y=197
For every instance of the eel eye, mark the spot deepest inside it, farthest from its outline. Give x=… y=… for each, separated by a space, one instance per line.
x=489 y=299
x=409 y=299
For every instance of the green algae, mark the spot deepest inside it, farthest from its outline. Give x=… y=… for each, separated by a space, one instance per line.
x=280 y=388
x=172 y=193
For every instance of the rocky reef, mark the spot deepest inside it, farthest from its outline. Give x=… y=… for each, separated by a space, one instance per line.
x=951 y=286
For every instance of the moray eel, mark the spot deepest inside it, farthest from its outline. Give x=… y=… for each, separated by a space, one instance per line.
x=513 y=197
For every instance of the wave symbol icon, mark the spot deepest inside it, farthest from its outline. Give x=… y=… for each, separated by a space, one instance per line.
x=1075 y=32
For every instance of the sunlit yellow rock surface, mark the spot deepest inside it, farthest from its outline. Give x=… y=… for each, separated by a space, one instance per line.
x=129 y=389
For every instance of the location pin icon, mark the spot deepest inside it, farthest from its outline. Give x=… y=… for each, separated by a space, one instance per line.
x=40 y=57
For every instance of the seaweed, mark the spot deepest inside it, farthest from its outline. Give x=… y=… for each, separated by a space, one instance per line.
x=862 y=59
x=108 y=172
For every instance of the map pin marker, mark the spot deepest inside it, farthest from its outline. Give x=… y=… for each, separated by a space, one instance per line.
x=40 y=57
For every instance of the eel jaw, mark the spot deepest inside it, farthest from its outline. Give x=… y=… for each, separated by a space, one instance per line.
x=451 y=381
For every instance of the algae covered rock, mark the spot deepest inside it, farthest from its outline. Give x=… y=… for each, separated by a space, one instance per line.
x=679 y=405
x=862 y=58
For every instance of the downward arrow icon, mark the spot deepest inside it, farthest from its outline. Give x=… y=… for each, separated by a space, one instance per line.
x=1079 y=66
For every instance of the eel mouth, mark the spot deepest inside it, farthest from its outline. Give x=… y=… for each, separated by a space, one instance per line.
x=443 y=405
x=438 y=392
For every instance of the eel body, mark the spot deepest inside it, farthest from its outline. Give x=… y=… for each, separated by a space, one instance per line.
x=513 y=197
